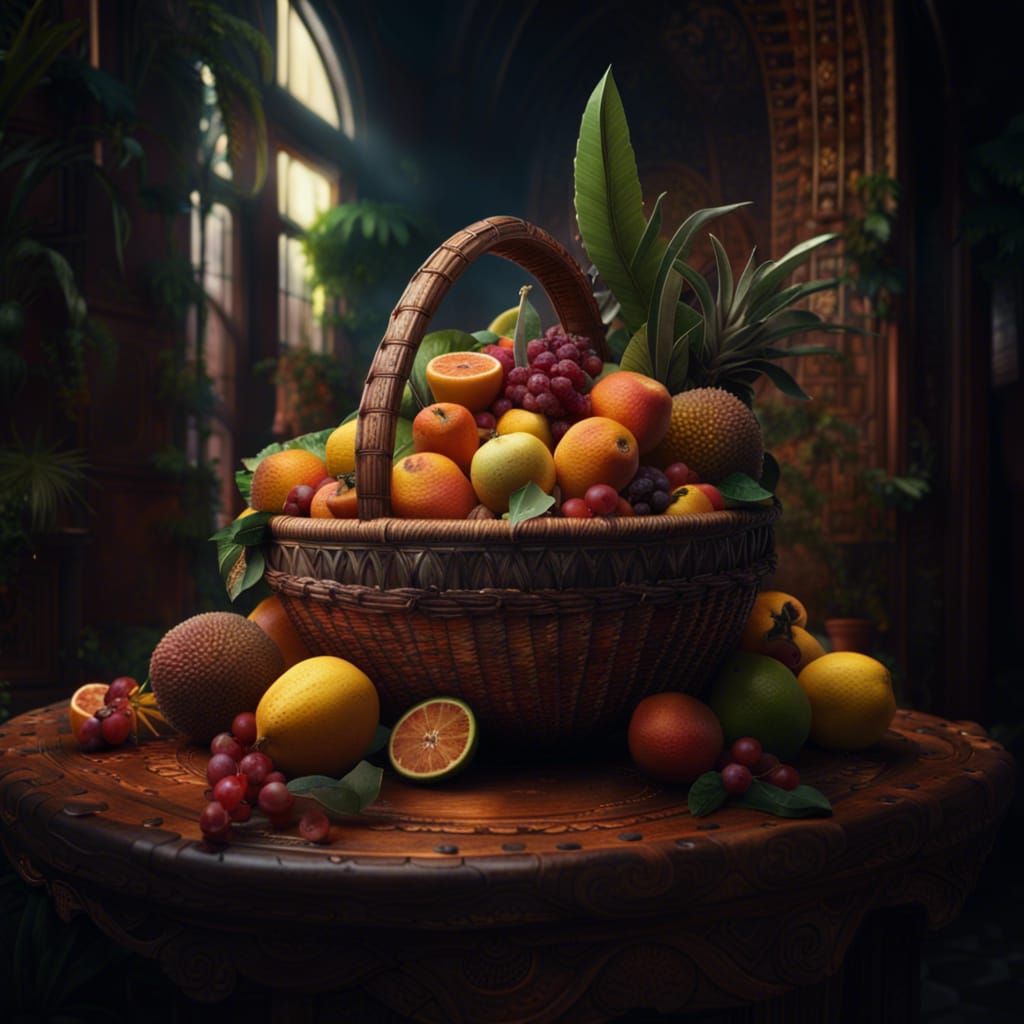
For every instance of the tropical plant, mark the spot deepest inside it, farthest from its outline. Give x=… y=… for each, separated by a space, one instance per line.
x=733 y=334
x=868 y=248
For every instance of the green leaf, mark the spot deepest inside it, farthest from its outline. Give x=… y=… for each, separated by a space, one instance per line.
x=380 y=740
x=528 y=503
x=725 y=287
x=651 y=235
x=770 y=275
x=348 y=795
x=485 y=338
x=436 y=343
x=403 y=439
x=364 y=780
x=878 y=226
x=617 y=341
x=706 y=794
x=637 y=354
x=780 y=377
x=527 y=326
x=250 y=530
x=304 y=783
x=739 y=298
x=243 y=481
x=802 y=802
x=679 y=366
x=609 y=203
x=254 y=566
x=770 y=473
x=742 y=489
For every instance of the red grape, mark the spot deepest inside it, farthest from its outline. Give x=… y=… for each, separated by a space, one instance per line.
x=218 y=766
x=601 y=499
x=765 y=765
x=544 y=362
x=529 y=402
x=576 y=508
x=116 y=728
x=535 y=347
x=281 y=819
x=215 y=822
x=298 y=500
x=275 y=798
x=679 y=475
x=122 y=686
x=518 y=375
x=736 y=778
x=549 y=405
x=538 y=383
x=242 y=812
x=243 y=728
x=90 y=734
x=257 y=766
x=225 y=743
x=314 y=826
x=229 y=792
x=569 y=352
x=785 y=776
x=275 y=777
x=559 y=428
x=593 y=365
x=746 y=751
x=486 y=420
x=499 y=407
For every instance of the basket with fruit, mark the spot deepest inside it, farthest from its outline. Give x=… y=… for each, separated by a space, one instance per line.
x=606 y=537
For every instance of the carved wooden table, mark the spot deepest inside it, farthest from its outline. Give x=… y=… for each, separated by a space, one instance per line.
x=575 y=893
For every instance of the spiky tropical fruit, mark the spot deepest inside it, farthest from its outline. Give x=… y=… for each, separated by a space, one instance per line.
x=714 y=433
x=207 y=669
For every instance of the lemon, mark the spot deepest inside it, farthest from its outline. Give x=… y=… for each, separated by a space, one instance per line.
x=341 y=449
x=318 y=718
x=852 y=702
x=504 y=324
x=520 y=420
x=507 y=462
x=755 y=695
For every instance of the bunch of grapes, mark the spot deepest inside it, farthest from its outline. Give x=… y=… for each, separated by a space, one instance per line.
x=555 y=383
x=114 y=722
x=649 y=492
x=243 y=778
x=746 y=760
x=599 y=500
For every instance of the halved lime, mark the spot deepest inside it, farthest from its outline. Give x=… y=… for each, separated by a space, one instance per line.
x=505 y=322
x=433 y=740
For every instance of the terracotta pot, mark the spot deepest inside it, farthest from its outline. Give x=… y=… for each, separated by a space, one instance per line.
x=850 y=634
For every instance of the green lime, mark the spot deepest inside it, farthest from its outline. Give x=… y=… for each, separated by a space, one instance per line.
x=754 y=695
x=433 y=740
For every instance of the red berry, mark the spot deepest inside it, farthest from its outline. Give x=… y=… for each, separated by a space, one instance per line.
x=538 y=383
x=766 y=763
x=559 y=428
x=225 y=743
x=529 y=402
x=785 y=776
x=257 y=766
x=518 y=375
x=535 y=347
x=90 y=734
x=243 y=728
x=679 y=475
x=736 y=778
x=499 y=407
x=275 y=798
x=601 y=499
x=219 y=766
x=486 y=420
x=314 y=826
x=122 y=686
x=300 y=497
x=242 y=812
x=548 y=405
x=215 y=822
x=229 y=792
x=275 y=777
x=116 y=728
x=568 y=352
x=746 y=751
x=576 y=508
x=544 y=362
x=593 y=365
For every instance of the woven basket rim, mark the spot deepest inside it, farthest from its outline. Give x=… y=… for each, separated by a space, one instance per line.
x=597 y=531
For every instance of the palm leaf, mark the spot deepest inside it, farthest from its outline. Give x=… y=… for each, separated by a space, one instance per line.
x=609 y=203
x=775 y=273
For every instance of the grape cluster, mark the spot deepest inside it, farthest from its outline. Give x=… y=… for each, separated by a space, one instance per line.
x=241 y=779
x=115 y=721
x=649 y=492
x=746 y=760
x=599 y=500
x=561 y=371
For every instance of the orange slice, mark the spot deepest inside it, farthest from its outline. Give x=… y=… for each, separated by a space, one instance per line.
x=85 y=702
x=433 y=740
x=472 y=379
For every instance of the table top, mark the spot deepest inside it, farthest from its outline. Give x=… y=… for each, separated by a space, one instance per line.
x=513 y=846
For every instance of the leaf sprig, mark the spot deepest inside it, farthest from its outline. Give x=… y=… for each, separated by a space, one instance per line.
x=707 y=794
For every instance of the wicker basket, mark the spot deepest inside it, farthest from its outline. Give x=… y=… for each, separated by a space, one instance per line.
x=552 y=629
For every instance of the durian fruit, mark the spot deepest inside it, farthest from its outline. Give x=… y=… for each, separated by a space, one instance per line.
x=714 y=433
x=207 y=669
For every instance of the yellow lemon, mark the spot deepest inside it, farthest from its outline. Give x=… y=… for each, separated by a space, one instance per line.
x=852 y=703
x=505 y=322
x=507 y=462
x=521 y=421
x=341 y=449
x=318 y=718
x=689 y=501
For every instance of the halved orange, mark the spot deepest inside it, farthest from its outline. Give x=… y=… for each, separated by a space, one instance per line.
x=85 y=702
x=433 y=740
x=472 y=379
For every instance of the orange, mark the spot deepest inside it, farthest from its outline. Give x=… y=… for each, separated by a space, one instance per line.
x=429 y=485
x=277 y=474
x=449 y=429
x=507 y=462
x=85 y=702
x=344 y=503
x=689 y=501
x=774 y=614
x=319 y=507
x=595 y=450
x=852 y=702
x=755 y=695
x=340 y=450
x=638 y=402
x=472 y=379
x=809 y=647
x=272 y=618
x=504 y=342
x=522 y=421
x=674 y=737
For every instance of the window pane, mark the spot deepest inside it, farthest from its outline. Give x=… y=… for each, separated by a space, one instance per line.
x=297 y=324
x=302 y=192
x=301 y=69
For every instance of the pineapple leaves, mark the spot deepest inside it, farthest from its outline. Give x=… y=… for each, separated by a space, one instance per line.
x=769 y=276
x=625 y=247
x=661 y=316
x=637 y=356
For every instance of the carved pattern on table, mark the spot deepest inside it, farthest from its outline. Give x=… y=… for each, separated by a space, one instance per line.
x=557 y=930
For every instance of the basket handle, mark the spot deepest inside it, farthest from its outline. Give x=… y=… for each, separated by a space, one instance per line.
x=535 y=251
